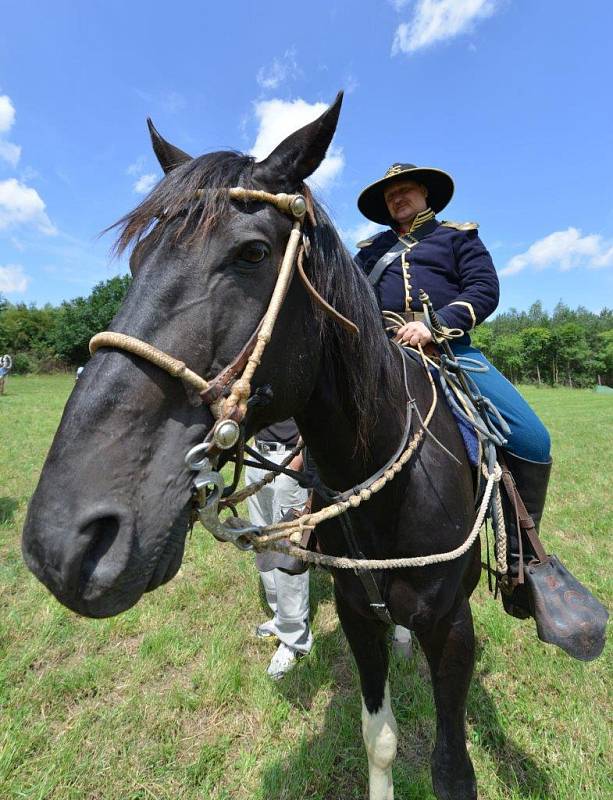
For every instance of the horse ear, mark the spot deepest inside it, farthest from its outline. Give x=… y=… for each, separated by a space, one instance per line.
x=167 y=154
x=299 y=155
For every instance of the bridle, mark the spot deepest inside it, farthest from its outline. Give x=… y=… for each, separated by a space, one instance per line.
x=228 y=394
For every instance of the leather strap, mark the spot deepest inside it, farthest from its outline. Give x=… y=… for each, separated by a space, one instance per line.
x=375 y=600
x=524 y=521
x=323 y=304
x=374 y=276
x=230 y=373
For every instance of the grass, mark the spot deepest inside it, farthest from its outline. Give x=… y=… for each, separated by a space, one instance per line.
x=170 y=700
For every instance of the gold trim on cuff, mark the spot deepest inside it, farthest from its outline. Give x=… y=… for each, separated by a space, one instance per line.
x=470 y=309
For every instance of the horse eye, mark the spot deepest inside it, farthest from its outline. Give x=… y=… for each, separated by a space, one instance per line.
x=254 y=252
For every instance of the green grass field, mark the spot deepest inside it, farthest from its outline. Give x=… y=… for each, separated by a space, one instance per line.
x=171 y=700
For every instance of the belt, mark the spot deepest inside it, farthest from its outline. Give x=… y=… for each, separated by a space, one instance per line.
x=272 y=447
x=407 y=316
x=413 y=316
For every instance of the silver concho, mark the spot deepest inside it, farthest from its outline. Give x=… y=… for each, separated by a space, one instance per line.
x=226 y=433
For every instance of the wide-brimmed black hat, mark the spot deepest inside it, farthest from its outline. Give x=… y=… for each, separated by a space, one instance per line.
x=438 y=183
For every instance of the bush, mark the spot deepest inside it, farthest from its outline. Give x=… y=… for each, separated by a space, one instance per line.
x=22 y=364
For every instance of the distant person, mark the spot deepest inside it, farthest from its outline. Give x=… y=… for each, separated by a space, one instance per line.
x=285 y=579
x=79 y=371
x=6 y=362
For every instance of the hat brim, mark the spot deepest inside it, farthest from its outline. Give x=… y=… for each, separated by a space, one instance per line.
x=439 y=184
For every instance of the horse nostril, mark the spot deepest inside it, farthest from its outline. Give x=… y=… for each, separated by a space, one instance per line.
x=102 y=533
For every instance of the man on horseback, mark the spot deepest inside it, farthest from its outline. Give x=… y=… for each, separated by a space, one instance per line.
x=450 y=263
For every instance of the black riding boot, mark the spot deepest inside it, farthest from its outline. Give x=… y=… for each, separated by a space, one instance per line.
x=565 y=612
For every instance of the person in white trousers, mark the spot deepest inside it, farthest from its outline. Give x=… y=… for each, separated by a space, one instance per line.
x=286 y=583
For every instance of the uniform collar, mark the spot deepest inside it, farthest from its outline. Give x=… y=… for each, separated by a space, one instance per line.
x=423 y=224
x=420 y=219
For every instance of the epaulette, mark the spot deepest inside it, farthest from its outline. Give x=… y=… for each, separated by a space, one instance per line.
x=372 y=240
x=460 y=226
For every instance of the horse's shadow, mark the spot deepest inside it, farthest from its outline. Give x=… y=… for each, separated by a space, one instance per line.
x=330 y=762
x=8 y=506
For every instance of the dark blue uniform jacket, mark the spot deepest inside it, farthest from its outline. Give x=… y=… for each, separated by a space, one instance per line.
x=448 y=260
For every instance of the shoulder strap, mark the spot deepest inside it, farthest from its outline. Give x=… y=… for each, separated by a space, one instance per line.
x=374 y=276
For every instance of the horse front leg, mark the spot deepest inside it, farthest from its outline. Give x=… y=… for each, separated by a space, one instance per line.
x=450 y=650
x=368 y=641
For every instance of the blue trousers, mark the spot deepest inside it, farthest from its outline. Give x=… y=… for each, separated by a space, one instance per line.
x=529 y=438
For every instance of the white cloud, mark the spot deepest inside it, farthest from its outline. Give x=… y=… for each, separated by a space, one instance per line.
x=8 y=151
x=363 y=230
x=437 y=20
x=145 y=183
x=20 y=205
x=564 y=250
x=7 y=113
x=280 y=70
x=278 y=118
x=13 y=279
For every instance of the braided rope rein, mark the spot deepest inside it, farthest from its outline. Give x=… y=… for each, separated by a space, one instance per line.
x=342 y=562
x=282 y=530
x=275 y=536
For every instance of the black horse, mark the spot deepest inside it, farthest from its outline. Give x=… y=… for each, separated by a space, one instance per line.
x=108 y=520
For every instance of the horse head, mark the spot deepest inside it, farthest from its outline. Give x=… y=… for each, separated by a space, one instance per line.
x=109 y=517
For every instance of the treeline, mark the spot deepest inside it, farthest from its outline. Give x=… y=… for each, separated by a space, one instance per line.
x=55 y=338
x=571 y=347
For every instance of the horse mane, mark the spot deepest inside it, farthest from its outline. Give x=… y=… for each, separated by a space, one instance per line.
x=363 y=366
x=189 y=198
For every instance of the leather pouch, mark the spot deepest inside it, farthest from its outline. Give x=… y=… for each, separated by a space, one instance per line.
x=566 y=613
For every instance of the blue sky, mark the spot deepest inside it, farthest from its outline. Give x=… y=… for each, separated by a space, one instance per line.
x=513 y=98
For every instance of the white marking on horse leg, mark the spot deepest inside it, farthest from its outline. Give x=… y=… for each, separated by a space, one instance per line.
x=380 y=734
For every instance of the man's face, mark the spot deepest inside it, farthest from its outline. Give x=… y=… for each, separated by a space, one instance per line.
x=405 y=199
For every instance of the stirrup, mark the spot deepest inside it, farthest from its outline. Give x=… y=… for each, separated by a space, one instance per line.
x=565 y=612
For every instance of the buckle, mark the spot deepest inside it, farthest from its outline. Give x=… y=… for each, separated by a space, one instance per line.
x=266 y=447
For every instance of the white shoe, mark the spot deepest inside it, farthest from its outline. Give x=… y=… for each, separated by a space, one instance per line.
x=266 y=630
x=402 y=643
x=284 y=660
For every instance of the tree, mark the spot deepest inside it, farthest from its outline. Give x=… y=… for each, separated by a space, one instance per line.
x=79 y=319
x=536 y=346
x=27 y=329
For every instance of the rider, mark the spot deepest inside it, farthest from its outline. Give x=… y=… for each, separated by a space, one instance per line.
x=449 y=261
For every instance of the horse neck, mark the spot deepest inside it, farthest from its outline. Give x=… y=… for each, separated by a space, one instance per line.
x=329 y=426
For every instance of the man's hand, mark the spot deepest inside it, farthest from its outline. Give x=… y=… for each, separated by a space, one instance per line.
x=413 y=333
x=296 y=463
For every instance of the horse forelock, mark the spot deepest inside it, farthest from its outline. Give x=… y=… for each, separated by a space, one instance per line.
x=190 y=192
